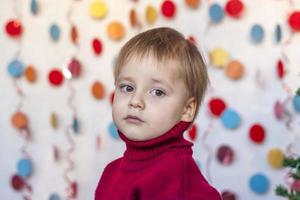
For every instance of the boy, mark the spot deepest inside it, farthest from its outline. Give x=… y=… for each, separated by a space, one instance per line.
x=160 y=80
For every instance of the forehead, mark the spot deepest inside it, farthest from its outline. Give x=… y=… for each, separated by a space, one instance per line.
x=148 y=66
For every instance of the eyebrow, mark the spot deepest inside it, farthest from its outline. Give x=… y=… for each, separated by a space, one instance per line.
x=153 y=80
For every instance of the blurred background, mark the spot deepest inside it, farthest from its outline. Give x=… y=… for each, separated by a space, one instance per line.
x=56 y=86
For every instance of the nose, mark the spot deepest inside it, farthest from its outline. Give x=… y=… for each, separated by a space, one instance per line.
x=137 y=101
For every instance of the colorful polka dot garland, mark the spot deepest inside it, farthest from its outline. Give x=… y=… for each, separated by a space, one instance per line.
x=168 y=9
x=230 y=119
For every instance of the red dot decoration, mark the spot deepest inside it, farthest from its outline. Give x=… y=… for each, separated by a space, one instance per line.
x=193 y=132
x=217 y=106
x=55 y=77
x=294 y=21
x=97 y=46
x=14 y=28
x=234 y=8
x=257 y=133
x=168 y=9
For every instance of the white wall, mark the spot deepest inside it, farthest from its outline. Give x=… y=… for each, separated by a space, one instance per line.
x=253 y=103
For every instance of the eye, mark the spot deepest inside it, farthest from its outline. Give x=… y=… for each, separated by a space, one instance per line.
x=158 y=92
x=126 y=88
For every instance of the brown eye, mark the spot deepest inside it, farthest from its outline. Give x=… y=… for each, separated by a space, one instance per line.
x=158 y=93
x=126 y=88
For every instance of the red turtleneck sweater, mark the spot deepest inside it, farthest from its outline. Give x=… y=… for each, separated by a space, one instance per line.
x=158 y=169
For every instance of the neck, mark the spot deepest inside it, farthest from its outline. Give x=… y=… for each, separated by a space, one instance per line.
x=142 y=150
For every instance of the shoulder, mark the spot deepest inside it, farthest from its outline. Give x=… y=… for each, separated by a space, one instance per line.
x=112 y=165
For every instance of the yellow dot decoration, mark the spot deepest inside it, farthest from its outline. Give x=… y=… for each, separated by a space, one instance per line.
x=275 y=158
x=219 y=57
x=151 y=15
x=115 y=31
x=98 y=9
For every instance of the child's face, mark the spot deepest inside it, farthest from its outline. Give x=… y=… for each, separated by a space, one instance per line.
x=159 y=105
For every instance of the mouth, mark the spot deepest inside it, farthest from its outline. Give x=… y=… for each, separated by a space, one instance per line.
x=133 y=119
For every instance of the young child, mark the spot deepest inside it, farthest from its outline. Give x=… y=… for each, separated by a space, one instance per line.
x=160 y=81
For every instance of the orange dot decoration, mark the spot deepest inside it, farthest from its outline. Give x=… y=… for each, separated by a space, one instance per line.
x=294 y=20
x=115 y=30
x=193 y=3
x=14 y=28
x=98 y=90
x=168 y=9
x=19 y=120
x=30 y=74
x=56 y=77
x=234 y=70
x=234 y=8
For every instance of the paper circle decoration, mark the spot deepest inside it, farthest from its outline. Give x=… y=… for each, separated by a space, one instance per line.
x=14 y=28
x=97 y=46
x=294 y=21
x=230 y=119
x=115 y=31
x=15 y=68
x=219 y=57
x=54 y=196
x=193 y=3
x=168 y=9
x=17 y=182
x=234 y=70
x=113 y=131
x=98 y=9
x=234 y=8
x=24 y=167
x=151 y=15
x=54 y=32
x=228 y=195
x=296 y=103
x=217 y=106
x=225 y=155
x=192 y=132
x=55 y=77
x=75 y=68
x=34 y=7
x=19 y=120
x=98 y=90
x=257 y=33
x=257 y=133
x=275 y=158
x=30 y=74
x=216 y=13
x=259 y=183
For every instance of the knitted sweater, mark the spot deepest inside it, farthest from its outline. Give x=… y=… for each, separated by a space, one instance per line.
x=161 y=168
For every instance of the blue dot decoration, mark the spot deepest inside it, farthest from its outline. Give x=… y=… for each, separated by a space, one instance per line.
x=54 y=196
x=113 y=131
x=75 y=125
x=296 y=103
x=278 y=33
x=15 y=68
x=230 y=119
x=257 y=33
x=55 y=32
x=34 y=7
x=259 y=183
x=24 y=167
x=216 y=13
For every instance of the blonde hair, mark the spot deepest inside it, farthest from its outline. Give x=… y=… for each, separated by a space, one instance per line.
x=166 y=44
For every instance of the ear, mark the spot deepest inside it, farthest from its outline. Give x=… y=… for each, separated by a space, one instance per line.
x=189 y=110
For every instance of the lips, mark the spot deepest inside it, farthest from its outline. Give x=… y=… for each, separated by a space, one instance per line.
x=132 y=118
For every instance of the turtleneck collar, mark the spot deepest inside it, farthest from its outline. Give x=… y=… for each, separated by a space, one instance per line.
x=143 y=150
